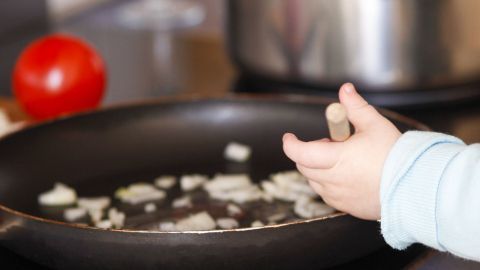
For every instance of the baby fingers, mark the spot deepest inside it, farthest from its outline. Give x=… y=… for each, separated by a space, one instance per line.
x=320 y=154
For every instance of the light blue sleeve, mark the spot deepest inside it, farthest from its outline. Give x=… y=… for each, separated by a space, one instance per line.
x=430 y=193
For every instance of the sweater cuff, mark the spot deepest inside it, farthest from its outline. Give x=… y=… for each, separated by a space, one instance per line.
x=409 y=185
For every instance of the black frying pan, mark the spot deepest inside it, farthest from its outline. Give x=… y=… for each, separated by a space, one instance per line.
x=97 y=152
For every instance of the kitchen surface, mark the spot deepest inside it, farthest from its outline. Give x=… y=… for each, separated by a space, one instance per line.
x=191 y=55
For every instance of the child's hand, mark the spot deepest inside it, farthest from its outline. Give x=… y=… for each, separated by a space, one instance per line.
x=347 y=174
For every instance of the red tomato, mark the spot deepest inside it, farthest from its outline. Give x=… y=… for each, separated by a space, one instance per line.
x=58 y=74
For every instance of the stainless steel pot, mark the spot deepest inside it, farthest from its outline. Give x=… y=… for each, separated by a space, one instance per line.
x=381 y=45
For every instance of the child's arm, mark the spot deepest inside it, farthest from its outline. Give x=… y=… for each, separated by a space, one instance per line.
x=425 y=185
x=430 y=193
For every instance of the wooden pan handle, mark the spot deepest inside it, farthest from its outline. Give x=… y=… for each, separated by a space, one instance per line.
x=337 y=120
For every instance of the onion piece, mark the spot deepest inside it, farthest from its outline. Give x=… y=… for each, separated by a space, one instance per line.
x=257 y=223
x=293 y=181
x=141 y=188
x=104 y=224
x=225 y=182
x=198 y=222
x=280 y=193
x=288 y=186
x=150 y=207
x=60 y=195
x=192 y=182
x=276 y=217
x=252 y=193
x=227 y=223
x=116 y=218
x=237 y=152
x=165 y=181
x=182 y=202
x=267 y=197
x=94 y=203
x=72 y=214
x=141 y=198
x=95 y=215
x=233 y=210
x=233 y=187
x=305 y=207
x=139 y=193
x=167 y=226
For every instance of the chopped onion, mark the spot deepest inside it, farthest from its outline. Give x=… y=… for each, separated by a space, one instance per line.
x=287 y=186
x=293 y=181
x=257 y=223
x=233 y=187
x=116 y=218
x=267 y=197
x=225 y=182
x=165 y=181
x=182 y=202
x=141 y=198
x=198 y=222
x=150 y=207
x=60 y=195
x=94 y=203
x=233 y=210
x=278 y=192
x=167 y=226
x=305 y=207
x=276 y=217
x=252 y=193
x=192 y=182
x=237 y=152
x=140 y=188
x=72 y=214
x=139 y=193
x=95 y=215
x=104 y=224
x=227 y=223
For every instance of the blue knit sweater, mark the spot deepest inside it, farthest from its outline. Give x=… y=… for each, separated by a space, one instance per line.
x=430 y=193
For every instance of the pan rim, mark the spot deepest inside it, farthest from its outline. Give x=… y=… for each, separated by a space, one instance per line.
x=186 y=98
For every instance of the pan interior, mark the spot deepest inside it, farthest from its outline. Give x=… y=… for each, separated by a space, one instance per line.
x=97 y=153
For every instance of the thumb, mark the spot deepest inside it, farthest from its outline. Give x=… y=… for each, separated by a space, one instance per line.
x=359 y=112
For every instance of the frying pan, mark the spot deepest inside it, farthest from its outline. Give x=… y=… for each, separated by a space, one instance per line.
x=100 y=151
